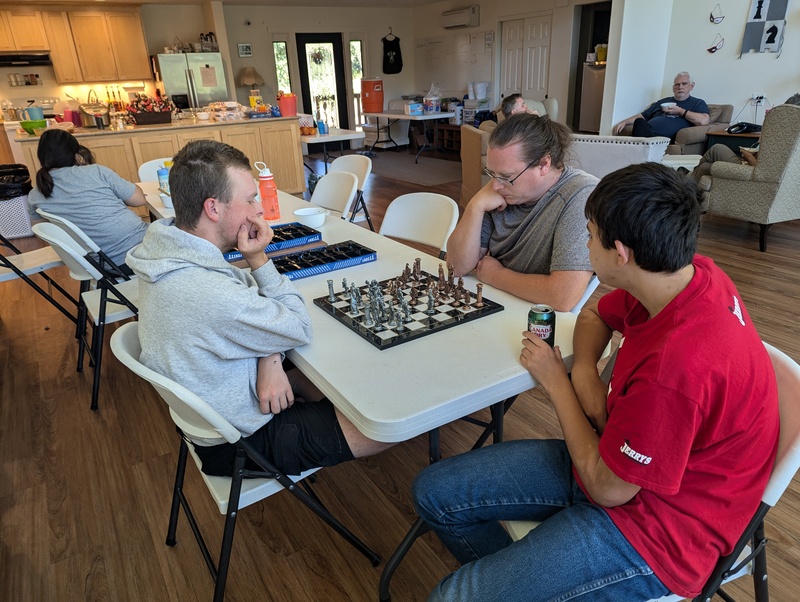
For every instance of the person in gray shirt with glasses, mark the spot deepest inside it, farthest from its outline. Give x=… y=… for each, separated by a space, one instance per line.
x=525 y=231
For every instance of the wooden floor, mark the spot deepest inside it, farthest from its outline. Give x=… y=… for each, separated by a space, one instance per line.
x=84 y=496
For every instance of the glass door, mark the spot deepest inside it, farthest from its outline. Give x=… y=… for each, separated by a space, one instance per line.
x=321 y=60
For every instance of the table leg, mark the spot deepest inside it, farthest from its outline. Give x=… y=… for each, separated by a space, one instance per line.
x=388 y=131
x=419 y=527
x=325 y=155
x=424 y=144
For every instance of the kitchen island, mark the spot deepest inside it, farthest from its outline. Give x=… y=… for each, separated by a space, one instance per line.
x=275 y=141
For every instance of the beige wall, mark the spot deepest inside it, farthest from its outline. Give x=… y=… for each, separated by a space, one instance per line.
x=650 y=42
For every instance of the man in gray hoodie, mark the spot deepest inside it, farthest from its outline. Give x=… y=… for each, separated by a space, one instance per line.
x=221 y=331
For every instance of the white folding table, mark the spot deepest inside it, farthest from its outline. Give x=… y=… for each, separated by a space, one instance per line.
x=393 y=116
x=335 y=135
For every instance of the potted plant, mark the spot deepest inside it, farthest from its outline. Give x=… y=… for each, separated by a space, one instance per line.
x=145 y=110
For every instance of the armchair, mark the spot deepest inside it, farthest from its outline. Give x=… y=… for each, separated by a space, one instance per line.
x=769 y=192
x=692 y=140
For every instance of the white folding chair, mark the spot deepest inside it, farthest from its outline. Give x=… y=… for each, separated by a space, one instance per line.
x=423 y=217
x=361 y=166
x=336 y=191
x=749 y=556
x=91 y=250
x=195 y=418
x=148 y=171
x=110 y=302
x=24 y=265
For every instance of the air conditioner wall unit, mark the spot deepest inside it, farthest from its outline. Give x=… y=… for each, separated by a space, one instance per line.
x=463 y=17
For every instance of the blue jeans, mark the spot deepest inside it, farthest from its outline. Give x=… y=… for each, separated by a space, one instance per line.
x=577 y=553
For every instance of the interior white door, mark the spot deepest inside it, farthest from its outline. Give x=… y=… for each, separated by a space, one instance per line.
x=536 y=57
x=526 y=57
x=512 y=46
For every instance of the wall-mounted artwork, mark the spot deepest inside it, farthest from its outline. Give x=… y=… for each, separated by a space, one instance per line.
x=766 y=21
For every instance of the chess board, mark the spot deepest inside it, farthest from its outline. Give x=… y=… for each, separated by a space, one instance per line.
x=445 y=313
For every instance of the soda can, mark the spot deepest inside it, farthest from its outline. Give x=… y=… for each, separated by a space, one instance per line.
x=542 y=322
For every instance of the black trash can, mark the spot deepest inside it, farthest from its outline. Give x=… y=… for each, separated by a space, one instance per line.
x=15 y=184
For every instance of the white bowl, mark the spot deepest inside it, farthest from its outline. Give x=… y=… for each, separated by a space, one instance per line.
x=166 y=199
x=666 y=105
x=313 y=217
x=202 y=115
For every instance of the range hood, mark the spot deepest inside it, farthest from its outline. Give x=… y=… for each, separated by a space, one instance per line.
x=18 y=59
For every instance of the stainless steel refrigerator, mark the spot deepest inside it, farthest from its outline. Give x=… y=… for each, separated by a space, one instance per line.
x=192 y=79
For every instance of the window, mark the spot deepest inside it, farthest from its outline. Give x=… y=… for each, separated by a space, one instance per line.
x=356 y=62
x=282 y=66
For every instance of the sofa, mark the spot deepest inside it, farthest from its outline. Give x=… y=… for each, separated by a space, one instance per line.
x=692 y=140
x=475 y=142
x=597 y=155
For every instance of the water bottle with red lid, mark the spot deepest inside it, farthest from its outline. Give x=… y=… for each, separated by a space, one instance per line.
x=268 y=192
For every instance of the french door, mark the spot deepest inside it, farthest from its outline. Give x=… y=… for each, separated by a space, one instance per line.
x=320 y=57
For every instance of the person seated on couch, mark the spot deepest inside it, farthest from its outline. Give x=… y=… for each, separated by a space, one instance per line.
x=514 y=104
x=524 y=232
x=666 y=117
x=720 y=152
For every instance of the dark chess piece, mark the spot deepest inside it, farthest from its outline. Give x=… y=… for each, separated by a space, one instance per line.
x=479 y=295
x=331 y=296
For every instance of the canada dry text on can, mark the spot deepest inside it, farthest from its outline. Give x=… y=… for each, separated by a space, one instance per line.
x=542 y=322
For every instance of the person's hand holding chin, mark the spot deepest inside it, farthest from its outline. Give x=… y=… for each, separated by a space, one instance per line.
x=254 y=236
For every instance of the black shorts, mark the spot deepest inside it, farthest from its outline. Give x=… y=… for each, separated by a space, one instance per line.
x=305 y=436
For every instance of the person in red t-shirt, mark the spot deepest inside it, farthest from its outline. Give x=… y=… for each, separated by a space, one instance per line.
x=661 y=469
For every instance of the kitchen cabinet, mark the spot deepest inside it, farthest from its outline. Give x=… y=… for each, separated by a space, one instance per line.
x=276 y=138
x=114 y=152
x=247 y=140
x=130 y=49
x=22 y=29
x=274 y=141
x=62 y=47
x=110 y=45
x=147 y=147
x=186 y=137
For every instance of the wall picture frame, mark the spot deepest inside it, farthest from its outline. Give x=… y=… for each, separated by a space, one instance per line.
x=245 y=50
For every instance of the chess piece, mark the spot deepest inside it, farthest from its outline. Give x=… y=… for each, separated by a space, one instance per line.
x=413 y=294
x=344 y=285
x=451 y=271
x=368 y=321
x=353 y=305
x=430 y=311
x=417 y=268
x=331 y=296
x=479 y=295
x=406 y=312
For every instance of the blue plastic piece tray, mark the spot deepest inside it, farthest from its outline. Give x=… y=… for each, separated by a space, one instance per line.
x=311 y=262
x=285 y=236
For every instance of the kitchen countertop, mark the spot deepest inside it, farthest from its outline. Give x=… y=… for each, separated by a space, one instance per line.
x=179 y=124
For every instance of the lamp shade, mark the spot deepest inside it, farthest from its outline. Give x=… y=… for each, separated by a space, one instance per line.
x=250 y=77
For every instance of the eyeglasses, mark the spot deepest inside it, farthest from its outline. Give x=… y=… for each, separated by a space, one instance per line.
x=509 y=181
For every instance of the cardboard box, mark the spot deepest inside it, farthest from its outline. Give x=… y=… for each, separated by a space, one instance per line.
x=414 y=108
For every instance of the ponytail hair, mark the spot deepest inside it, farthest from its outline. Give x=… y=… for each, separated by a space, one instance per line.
x=56 y=149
